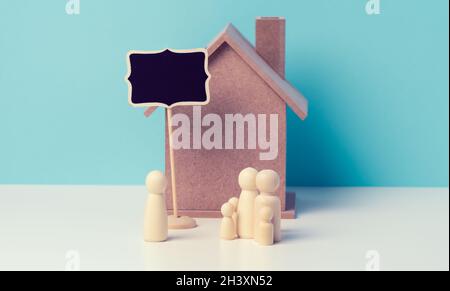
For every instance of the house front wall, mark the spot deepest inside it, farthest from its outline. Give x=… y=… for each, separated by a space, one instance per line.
x=205 y=178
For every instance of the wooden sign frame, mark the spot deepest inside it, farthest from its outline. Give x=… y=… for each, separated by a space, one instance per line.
x=177 y=51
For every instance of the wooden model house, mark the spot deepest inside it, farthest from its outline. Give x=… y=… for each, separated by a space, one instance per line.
x=245 y=79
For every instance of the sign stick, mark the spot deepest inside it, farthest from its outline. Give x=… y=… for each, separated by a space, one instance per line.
x=176 y=221
x=172 y=163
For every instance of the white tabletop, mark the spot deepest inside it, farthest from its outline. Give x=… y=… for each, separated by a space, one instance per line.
x=100 y=228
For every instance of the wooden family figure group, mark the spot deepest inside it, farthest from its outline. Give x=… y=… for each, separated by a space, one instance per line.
x=257 y=213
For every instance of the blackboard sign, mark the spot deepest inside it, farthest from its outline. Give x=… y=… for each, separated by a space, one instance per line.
x=168 y=78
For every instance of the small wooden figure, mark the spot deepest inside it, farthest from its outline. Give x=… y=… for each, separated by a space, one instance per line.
x=235 y=202
x=156 y=222
x=227 y=228
x=267 y=182
x=265 y=235
x=246 y=215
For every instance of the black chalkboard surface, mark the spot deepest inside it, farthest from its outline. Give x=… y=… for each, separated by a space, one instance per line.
x=168 y=78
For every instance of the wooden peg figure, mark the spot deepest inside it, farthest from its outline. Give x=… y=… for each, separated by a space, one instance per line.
x=267 y=182
x=156 y=223
x=246 y=207
x=234 y=202
x=265 y=235
x=227 y=228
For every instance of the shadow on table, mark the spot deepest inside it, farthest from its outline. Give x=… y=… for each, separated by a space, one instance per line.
x=297 y=235
x=311 y=200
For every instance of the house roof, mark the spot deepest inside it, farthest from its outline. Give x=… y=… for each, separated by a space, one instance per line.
x=231 y=36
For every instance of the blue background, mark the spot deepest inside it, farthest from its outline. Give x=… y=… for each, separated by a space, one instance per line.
x=377 y=85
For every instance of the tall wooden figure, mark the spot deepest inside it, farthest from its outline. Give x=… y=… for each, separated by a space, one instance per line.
x=155 y=221
x=246 y=214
